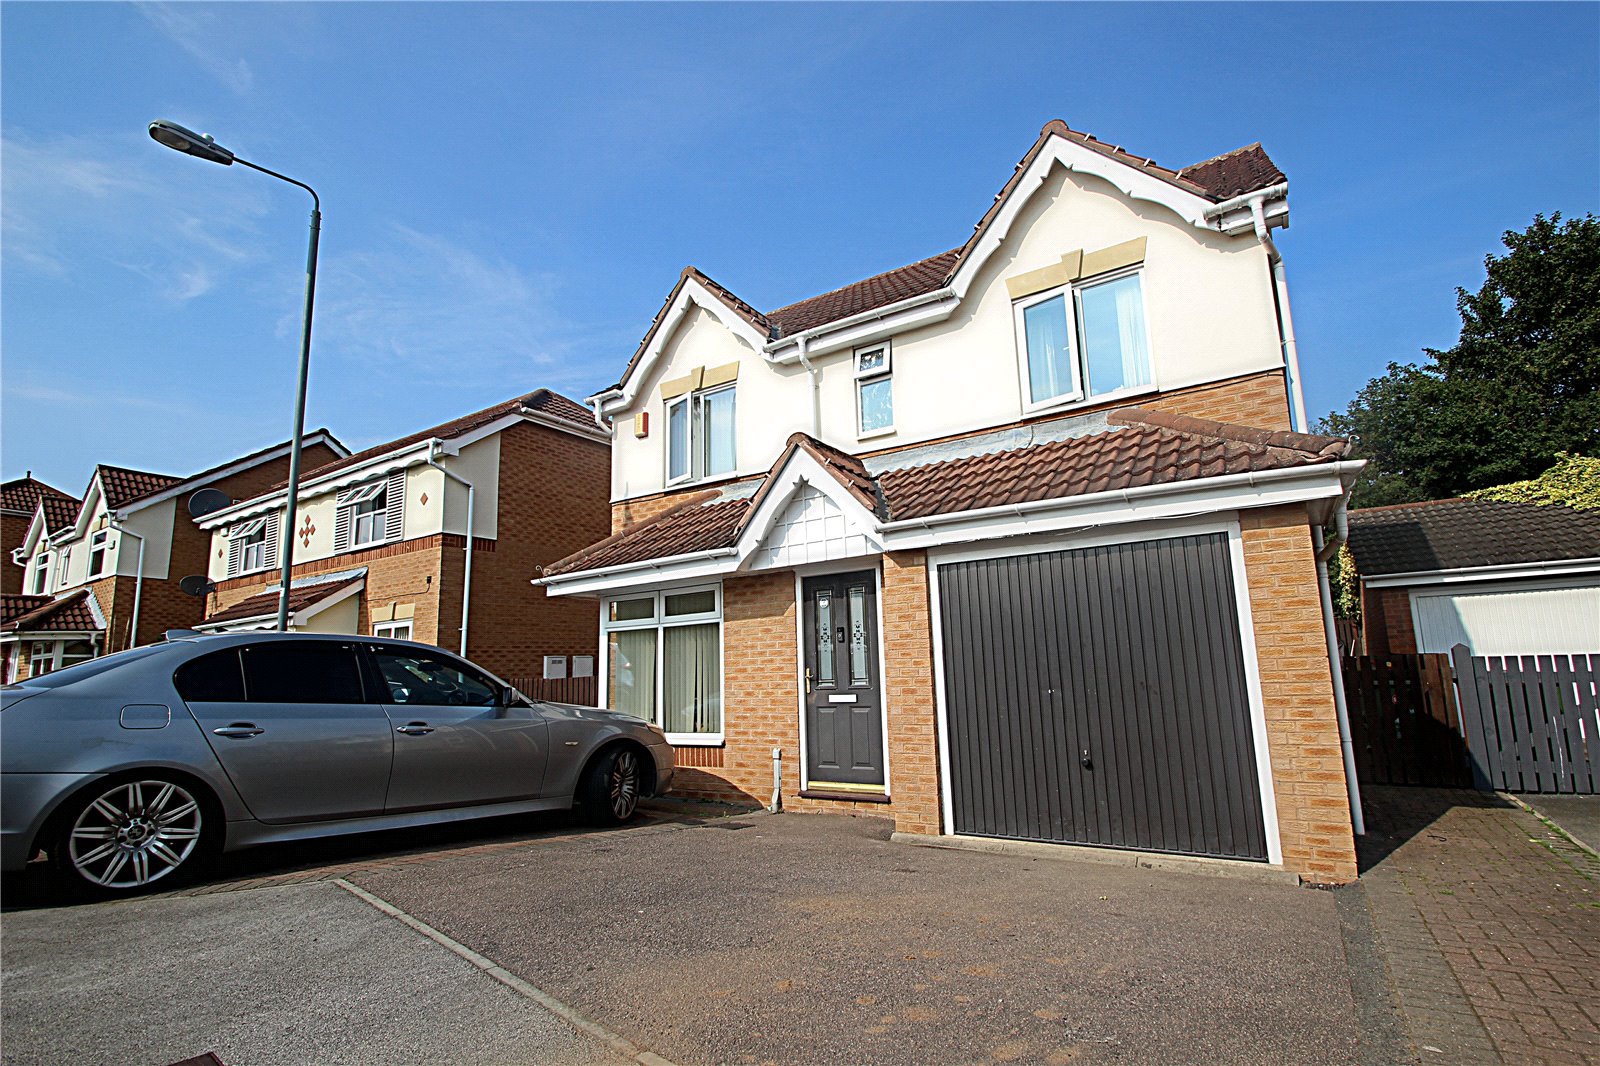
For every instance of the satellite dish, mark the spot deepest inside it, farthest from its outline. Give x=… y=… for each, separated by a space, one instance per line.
x=204 y=501
x=197 y=584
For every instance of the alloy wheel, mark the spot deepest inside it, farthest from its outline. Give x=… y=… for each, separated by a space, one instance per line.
x=624 y=784
x=134 y=834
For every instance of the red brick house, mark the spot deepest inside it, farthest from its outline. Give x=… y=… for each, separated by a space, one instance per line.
x=112 y=561
x=1016 y=541
x=19 y=499
x=382 y=537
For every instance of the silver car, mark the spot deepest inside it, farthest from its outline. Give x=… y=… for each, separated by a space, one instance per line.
x=129 y=770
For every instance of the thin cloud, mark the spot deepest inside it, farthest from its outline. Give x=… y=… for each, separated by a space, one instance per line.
x=195 y=29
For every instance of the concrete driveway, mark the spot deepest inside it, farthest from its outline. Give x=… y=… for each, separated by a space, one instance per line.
x=752 y=939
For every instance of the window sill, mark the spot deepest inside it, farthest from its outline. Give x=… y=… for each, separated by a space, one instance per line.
x=875 y=434
x=695 y=740
x=1031 y=410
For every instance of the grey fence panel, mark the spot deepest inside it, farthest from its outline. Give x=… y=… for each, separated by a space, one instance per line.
x=1532 y=723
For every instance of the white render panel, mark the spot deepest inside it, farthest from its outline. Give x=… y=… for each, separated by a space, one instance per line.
x=811 y=529
x=1210 y=317
x=1510 y=620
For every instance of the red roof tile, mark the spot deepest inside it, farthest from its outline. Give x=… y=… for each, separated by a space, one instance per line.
x=60 y=512
x=24 y=493
x=1235 y=173
x=122 y=486
x=266 y=603
x=1155 y=448
x=70 y=614
x=16 y=604
x=880 y=290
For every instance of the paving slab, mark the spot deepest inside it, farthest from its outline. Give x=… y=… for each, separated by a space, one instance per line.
x=814 y=939
x=279 y=975
x=1578 y=816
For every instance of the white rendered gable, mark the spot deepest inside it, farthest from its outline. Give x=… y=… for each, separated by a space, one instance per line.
x=811 y=529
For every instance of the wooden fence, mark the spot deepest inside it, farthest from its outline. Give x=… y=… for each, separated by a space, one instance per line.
x=1532 y=722
x=1404 y=722
x=581 y=690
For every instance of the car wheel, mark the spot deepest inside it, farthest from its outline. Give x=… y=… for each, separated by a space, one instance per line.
x=610 y=793
x=124 y=838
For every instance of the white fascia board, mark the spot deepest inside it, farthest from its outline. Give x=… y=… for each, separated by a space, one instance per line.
x=693 y=294
x=1238 y=492
x=1502 y=572
x=36 y=531
x=80 y=526
x=378 y=466
x=591 y=432
x=354 y=589
x=1236 y=222
x=802 y=469
x=319 y=437
x=652 y=573
x=94 y=609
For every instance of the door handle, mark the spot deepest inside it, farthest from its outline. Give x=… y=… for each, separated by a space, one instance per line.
x=239 y=730
x=808 y=681
x=414 y=729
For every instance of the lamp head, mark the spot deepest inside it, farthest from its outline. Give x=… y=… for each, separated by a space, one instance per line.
x=189 y=142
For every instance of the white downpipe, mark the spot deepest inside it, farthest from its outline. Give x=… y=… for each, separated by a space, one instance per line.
x=1325 y=551
x=1280 y=284
x=466 y=578
x=804 y=342
x=138 y=581
x=777 y=781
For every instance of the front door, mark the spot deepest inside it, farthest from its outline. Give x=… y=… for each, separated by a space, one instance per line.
x=843 y=692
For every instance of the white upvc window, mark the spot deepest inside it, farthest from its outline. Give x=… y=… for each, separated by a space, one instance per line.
x=372 y=513
x=874 y=390
x=41 y=574
x=63 y=561
x=48 y=656
x=1086 y=340
x=700 y=434
x=662 y=660
x=98 y=552
x=253 y=545
x=399 y=629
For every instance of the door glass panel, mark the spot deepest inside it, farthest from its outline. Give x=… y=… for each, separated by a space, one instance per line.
x=692 y=683
x=858 y=635
x=295 y=672
x=824 y=626
x=631 y=666
x=424 y=679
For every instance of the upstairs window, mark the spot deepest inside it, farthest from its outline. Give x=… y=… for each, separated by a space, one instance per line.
x=874 y=391
x=700 y=434
x=97 y=552
x=41 y=574
x=63 y=558
x=1084 y=340
x=371 y=514
x=253 y=545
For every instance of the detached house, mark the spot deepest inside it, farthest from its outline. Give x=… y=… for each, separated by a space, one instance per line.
x=382 y=538
x=102 y=574
x=19 y=499
x=1016 y=541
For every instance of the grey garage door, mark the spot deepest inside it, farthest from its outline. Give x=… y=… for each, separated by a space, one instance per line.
x=1097 y=696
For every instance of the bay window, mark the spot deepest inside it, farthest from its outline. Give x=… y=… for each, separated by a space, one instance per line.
x=700 y=434
x=663 y=661
x=1084 y=340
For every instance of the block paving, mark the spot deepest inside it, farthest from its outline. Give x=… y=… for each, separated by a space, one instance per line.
x=1488 y=918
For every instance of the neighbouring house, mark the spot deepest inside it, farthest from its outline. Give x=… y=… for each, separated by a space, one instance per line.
x=381 y=539
x=1501 y=578
x=19 y=499
x=1016 y=541
x=113 y=560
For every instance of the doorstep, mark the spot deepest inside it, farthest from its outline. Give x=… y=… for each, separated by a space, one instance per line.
x=1236 y=869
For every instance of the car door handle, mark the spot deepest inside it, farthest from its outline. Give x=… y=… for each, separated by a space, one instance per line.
x=414 y=729
x=239 y=730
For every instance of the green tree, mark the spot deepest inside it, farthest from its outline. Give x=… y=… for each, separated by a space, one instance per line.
x=1521 y=385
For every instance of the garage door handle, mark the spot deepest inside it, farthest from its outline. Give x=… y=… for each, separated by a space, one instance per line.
x=414 y=729
x=239 y=730
x=1088 y=763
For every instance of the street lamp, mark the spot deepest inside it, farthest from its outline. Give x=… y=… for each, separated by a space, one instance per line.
x=201 y=146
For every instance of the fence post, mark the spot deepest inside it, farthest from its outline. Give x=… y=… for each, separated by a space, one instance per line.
x=1476 y=718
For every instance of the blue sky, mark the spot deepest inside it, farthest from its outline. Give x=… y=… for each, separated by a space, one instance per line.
x=510 y=190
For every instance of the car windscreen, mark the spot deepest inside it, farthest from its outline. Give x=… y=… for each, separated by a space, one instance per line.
x=69 y=675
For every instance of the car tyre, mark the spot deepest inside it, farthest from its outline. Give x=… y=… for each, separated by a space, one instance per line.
x=133 y=834
x=609 y=794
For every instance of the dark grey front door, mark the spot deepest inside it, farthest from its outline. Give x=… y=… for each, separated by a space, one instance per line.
x=1098 y=696
x=844 y=705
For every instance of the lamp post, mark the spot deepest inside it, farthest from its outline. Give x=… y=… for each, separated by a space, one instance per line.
x=201 y=146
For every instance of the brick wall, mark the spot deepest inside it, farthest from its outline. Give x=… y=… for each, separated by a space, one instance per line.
x=1386 y=623
x=908 y=664
x=13 y=528
x=1297 y=694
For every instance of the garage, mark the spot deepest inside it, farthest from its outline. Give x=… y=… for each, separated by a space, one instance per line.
x=1098 y=696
